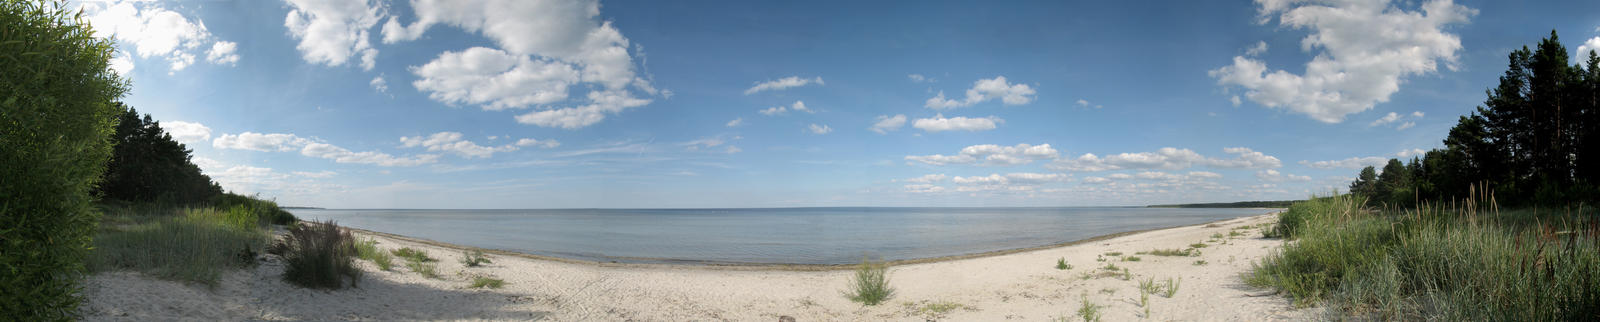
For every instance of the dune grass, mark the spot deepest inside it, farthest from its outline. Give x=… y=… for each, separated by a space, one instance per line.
x=870 y=285
x=368 y=250
x=1131 y=259
x=1172 y=252
x=319 y=255
x=194 y=245
x=1089 y=311
x=474 y=258
x=487 y=282
x=1061 y=264
x=413 y=254
x=1464 y=261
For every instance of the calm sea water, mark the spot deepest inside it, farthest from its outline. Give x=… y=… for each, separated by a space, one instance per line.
x=784 y=235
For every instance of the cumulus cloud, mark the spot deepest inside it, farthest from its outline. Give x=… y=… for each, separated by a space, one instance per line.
x=990 y=154
x=1275 y=176
x=939 y=123
x=736 y=122
x=886 y=123
x=1350 y=163
x=1365 y=50
x=1593 y=44
x=154 y=31
x=918 y=78
x=318 y=174
x=379 y=84
x=819 y=129
x=798 y=106
x=544 y=48
x=452 y=142
x=783 y=83
x=928 y=178
x=282 y=142
x=1259 y=48
x=187 y=132
x=1393 y=117
x=332 y=32
x=1166 y=158
x=985 y=90
x=527 y=142
x=1410 y=153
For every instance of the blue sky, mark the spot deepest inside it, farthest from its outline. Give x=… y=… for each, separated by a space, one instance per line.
x=576 y=104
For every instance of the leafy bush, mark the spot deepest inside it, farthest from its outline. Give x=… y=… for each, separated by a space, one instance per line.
x=56 y=94
x=196 y=247
x=870 y=285
x=319 y=255
x=474 y=258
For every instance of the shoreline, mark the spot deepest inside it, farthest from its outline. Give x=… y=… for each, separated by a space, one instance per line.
x=1017 y=284
x=719 y=265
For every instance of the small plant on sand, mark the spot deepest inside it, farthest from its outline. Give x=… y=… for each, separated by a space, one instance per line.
x=319 y=255
x=1114 y=254
x=1216 y=236
x=1235 y=234
x=1110 y=267
x=1061 y=264
x=368 y=250
x=1089 y=311
x=1200 y=262
x=489 y=282
x=1171 y=288
x=429 y=270
x=1130 y=259
x=1170 y=252
x=870 y=285
x=1198 y=245
x=474 y=258
x=936 y=310
x=1126 y=275
x=412 y=254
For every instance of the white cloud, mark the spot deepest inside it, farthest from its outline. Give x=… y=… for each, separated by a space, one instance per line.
x=1386 y=119
x=1366 y=49
x=223 y=52
x=1351 y=163
x=1593 y=44
x=527 y=142
x=1259 y=48
x=798 y=106
x=886 y=123
x=1235 y=100
x=1166 y=158
x=708 y=143
x=1410 y=153
x=733 y=149
x=985 y=90
x=452 y=142
x=923 y=188
x=1275 y=176
x=819 y=129
x=497 y=79
x=1405 y=125
x=544 y=47
x=281 y=142
x=1393 y=117
x=1416 y=114
x=331 y=32
x=918 y=78
x=939 y=123
x=991 y=154
x=153 y=31
x=318 y=175
x=601 y=103
x=929 y=178
x=783 y=83
x=1205 y=175
x=736 y=122
x=187 y=132
x=379 y=84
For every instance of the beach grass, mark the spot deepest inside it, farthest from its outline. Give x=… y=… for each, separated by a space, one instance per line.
x=196 y=245
x=413 y=254
x=1061 y=264
x=487 y=282
x=1089 y=311
x=1171 y=288
x=319 y=255
x=1173 y=252
x=870 y=285
x=474 y=258
x=1131 y=259
x=368 y=250
x=1464 y=261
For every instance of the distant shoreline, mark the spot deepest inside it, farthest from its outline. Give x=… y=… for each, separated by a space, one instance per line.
x=646 y=262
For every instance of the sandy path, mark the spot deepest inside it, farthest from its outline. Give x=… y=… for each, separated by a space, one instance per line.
x=1019 y=286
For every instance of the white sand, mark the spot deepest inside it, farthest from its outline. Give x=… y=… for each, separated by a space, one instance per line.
x=1019 y=286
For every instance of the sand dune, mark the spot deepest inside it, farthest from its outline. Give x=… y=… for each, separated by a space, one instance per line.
x=1016 y=286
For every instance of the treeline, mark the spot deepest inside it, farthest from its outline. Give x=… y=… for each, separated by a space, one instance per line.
x=1534 y=141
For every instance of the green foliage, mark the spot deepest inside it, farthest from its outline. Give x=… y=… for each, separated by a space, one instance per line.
x=148 y=166
x=368 y=250
x=319 y=255
x=870 y=285
x=1171 y=288
x=1089 y=311
x=474 y=258
x=1173 y=252
x=489 y=282
x=56 y=115
x=196 y=246
x=426 y=269
x=1061 y=264
x=1114 y=254
x=1131 y=259
x=412 y=254
x=265 y=210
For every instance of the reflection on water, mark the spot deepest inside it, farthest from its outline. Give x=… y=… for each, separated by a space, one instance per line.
x=785 y=235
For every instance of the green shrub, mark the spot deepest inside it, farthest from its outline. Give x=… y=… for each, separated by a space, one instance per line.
x=266 y=211
x=319 y=255
x=1061 y=264
x=194 y=247
x=870 y=285
x=56 y=106
x=489 y=282
x=474 y=258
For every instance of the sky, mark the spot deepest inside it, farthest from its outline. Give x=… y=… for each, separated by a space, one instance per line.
x=700 y=104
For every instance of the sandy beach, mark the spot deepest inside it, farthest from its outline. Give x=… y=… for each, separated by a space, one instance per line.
x=1009 y=286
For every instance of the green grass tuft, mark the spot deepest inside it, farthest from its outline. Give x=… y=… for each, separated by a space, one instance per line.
x=319 y=255
x=412 y=254
x=1089 y=311
x=1131 y=259
x=196 y=246
x=489 y=282
x=870 y=285
x=368 y=250
x=474 y=258
x=1061 y=264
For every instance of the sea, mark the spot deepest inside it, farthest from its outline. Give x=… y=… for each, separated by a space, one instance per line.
x=766 y=235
